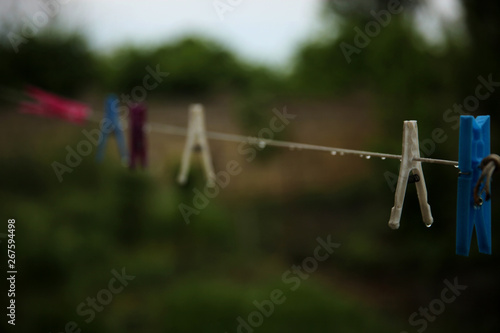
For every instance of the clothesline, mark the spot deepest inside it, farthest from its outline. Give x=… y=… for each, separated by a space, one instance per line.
x=182 y=131
x=476 y=163
x=262 y=143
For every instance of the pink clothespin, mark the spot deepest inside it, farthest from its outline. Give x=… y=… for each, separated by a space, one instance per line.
x=137 y=136
x=50 y=105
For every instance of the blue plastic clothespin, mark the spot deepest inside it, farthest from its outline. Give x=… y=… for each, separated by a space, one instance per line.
x=110 y=124
x=474 y=145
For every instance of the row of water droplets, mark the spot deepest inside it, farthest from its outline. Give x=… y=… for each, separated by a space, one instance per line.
x=341 y=153
x=262 y=144
x=298 y=147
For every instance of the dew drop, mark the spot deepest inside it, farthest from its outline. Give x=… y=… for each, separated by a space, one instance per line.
x=383 y=158
x=361 y=156
x=334 y=153
x=341 y=153
x=368 y=157
x=456 y=166
x=262 y=144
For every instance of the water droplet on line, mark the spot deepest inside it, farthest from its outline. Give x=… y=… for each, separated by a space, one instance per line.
x=456 y=166
x=383 y=158
x=361 y=156
x=341 y=153
x=262 y=144
x=334 y=153
x=368 y=157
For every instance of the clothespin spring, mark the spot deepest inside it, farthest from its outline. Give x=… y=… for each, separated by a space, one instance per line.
x=490 y=164
x=413 y=179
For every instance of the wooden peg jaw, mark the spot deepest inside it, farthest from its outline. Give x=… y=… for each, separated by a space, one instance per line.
x=411 y=151
x=197 y=142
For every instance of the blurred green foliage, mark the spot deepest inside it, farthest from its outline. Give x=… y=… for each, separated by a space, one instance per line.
x=189 y=278
x=196 y=67
x=52 y=61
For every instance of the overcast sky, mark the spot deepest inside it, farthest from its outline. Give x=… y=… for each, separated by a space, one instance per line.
x=268 y=31
x=263 y=30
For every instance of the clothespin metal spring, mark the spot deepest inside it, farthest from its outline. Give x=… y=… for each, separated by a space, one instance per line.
x=489 y=165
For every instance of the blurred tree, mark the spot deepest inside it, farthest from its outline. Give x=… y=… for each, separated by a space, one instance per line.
x=354 y=8
x=408 y=75
x=196 y=67
x=199 y=68
x=483 y=27
x=52 y=61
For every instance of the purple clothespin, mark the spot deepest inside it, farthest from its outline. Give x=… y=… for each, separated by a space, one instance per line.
x=137 y=136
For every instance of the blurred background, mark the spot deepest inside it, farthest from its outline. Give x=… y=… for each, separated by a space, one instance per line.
x=350 y=85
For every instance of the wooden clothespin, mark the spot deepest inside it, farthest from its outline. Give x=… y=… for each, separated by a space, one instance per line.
x=110 y=124
x=196 y=141
x=411 y=151
x=137 y=137
x=474 y=146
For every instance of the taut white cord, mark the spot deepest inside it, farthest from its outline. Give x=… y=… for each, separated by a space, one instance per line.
x=182 y=131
